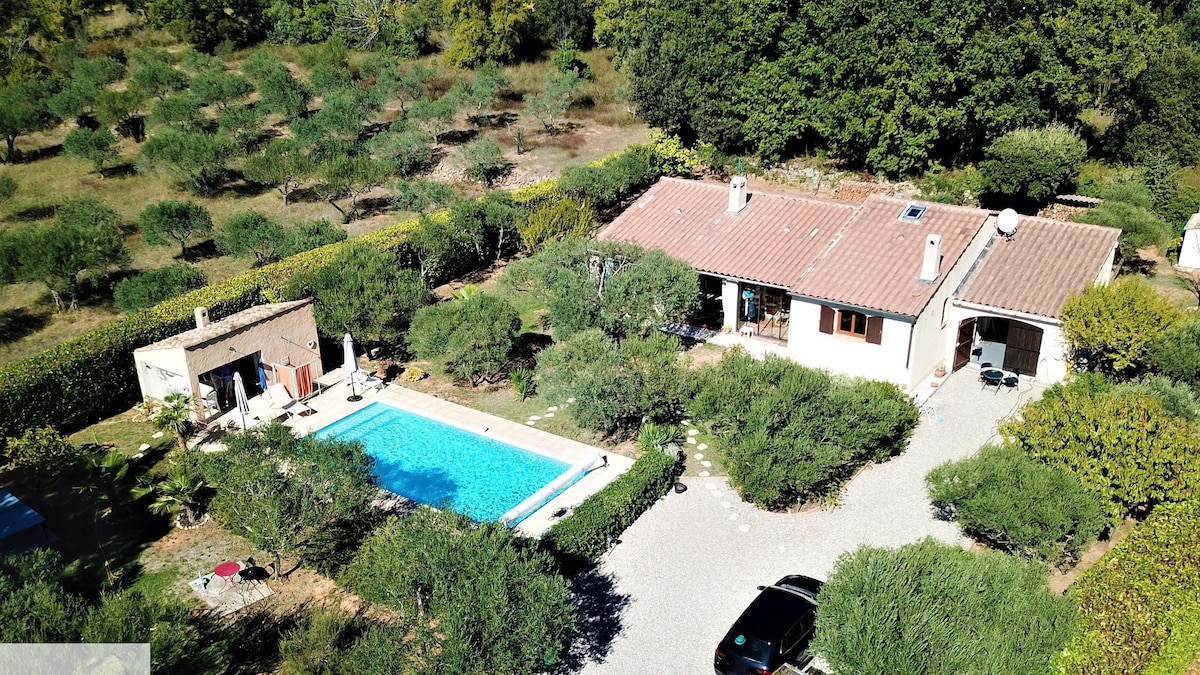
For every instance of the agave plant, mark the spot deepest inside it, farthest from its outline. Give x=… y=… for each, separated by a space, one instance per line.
x=466 y=292
x=522 y=382
x=654 y=436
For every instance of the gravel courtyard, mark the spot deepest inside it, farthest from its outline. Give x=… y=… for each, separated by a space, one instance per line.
x=687 y=568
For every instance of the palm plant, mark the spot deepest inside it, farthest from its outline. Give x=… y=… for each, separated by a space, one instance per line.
x=174 y=415
x=654 y=436
x=180 y=490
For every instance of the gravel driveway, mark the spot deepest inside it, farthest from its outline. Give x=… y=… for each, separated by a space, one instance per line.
x=687 y=568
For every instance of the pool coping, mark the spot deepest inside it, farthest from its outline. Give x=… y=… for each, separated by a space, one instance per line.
x=331 y=406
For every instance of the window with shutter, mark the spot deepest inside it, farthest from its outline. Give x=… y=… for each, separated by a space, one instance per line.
x=875 y=329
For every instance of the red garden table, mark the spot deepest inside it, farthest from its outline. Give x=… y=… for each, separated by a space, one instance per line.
x=228 y=570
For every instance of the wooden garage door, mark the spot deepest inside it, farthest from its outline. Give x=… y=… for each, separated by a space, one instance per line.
x=1023 y=348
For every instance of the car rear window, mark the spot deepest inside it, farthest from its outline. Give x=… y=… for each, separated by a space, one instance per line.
x=748 y=647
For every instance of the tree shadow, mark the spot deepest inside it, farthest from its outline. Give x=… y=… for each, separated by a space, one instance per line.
x=21 y=322
x=126 y=170
x=236 y=185
x=498 y=120
x=598 y=619
x=29 y=156
x=458 y=136
x=252 y=641
x=32 y=213
x=1132 y=263
x=205 y=250
x=528 y=346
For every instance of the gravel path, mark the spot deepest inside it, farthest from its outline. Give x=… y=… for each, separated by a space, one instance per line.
x=687 y=568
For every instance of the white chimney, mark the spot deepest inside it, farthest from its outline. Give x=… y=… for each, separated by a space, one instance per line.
x=737 y=194
x=201 y=317
x=931 y=264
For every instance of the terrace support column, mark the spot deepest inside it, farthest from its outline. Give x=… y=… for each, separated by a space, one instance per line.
x=729 y=304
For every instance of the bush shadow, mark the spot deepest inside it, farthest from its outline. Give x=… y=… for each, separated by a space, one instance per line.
x=21 y=322
x=598 y=619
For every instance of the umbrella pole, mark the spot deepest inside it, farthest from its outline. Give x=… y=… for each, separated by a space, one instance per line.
x=353 y=397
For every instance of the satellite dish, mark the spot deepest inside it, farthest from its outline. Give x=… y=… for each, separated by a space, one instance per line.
x=1006 y=222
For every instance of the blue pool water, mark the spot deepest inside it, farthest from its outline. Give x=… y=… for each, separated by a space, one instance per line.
x=441 y=465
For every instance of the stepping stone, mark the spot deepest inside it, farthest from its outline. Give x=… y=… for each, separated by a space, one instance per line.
x=782 y=549
x=702 y=446
x=733 y=516
x=691 y=440
x=571 y=400
x=698 y=455
x=553 y=408
x=744 y=528
x=686 y=422
x=706 y=464
x=548 y=415
x=143 y=447
x=705 y=474
x=534 y=418
x=157 y=434
x=725 y=505
x=693 y=432
x=711 y=486
x=530 y=423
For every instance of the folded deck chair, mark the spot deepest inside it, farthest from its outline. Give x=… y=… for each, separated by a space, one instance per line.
x=280 y=398
x=366 y=380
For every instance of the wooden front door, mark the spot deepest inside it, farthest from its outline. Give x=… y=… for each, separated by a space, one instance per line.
x=966 y=339
x=1023 y=348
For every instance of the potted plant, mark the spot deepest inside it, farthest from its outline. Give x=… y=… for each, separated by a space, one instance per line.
x=940 y=371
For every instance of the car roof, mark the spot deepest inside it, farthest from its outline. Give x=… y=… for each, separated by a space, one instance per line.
x=772 y=613
x=807 y=585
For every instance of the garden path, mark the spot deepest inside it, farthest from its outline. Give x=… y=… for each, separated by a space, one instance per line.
x=687 y=568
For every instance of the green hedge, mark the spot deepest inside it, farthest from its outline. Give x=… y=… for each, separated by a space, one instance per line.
x=587 y=533
x=80 y=382
x=1139 y=605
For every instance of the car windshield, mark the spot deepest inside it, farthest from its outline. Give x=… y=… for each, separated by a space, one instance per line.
x=748 y=647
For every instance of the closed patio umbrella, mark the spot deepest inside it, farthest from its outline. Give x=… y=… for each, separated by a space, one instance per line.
x=239 y=395
x=350 y=364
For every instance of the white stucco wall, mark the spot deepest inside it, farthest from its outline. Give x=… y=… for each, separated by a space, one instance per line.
x=1189 y=252
x=170 y=360
x=848 y=355
x=1052 y=361
x=932 y=326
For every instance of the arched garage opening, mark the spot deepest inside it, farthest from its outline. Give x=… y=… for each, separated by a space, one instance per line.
x=1009 y=344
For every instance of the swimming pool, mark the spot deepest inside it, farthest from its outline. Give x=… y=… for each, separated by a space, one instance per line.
x=444 y=466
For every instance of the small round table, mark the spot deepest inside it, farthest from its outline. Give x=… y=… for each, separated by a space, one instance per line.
x=228 y=570
x=991 y=376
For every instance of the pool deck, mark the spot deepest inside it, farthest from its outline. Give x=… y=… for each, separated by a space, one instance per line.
x=331 y=405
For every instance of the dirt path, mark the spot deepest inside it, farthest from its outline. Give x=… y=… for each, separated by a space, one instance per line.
x=1060 y=581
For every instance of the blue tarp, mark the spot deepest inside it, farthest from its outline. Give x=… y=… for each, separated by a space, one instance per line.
x=15 y=516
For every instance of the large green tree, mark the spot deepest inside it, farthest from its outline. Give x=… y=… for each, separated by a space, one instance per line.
x=363 y=292
x=84 y=237
x=193 y=158
x=171 y=221
x=282 y=164
x=97 y=147
x=620 y=288
x=252 y=234
x=486 y=30
x=497 y=601
x=24 y=108
x=934 y=608
x=1033 y=163
x=476 y=335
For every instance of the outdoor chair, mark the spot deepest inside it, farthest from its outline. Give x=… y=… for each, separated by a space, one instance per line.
x=1011 y=381
x=281 y=399
x=366 y=380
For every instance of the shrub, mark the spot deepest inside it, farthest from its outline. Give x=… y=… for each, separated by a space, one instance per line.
x=593 y=526
x=1138 y=605
x=476 y=335
x=497 y=601
x=1123 y=444
x=154 y=286
x=43 y=449
x=252 y=234
x=1110 y=329
x=1016 y=504
x=660 y=437
x=615 y=386
x=1127 y=207
x=792 y=432
x=34 y=606
x=1033 y=163
x=1176 y=352
x=934 y=608
x=607 y=184
x=8 y=187
x=555 y=220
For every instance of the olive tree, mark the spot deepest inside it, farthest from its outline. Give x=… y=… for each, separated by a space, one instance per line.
x=171 y=221
x=95 y=146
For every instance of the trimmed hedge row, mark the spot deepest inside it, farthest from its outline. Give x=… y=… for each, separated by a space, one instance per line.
x=1139 y=606
x=587 y=533
x=87 y=379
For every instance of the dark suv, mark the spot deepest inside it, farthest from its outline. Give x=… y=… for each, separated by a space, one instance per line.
x=775 y=629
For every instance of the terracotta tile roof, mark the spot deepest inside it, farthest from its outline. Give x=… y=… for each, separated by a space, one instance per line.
x=769 y=242
x=877 y=262
x=247 y=317
x=1043 y=263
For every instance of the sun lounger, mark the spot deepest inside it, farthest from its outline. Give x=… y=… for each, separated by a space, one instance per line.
x=281 y=399
x=366 y=380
